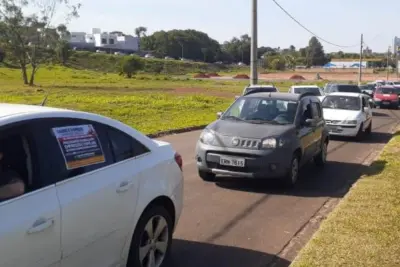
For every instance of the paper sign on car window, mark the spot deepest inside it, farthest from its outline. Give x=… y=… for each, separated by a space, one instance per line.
x=79 y=145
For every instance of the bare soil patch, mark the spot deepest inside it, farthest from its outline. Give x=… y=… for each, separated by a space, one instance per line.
x=297 y=77
x=201 y=75
x=241 y=76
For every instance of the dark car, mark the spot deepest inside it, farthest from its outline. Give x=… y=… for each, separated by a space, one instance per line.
x=343 y=88
x=264 y=135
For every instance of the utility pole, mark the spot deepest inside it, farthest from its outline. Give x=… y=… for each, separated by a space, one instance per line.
x=361 y=59
x=387 y=64
x=254 y=46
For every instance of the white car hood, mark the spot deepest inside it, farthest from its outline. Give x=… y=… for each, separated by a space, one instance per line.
x=340 y=114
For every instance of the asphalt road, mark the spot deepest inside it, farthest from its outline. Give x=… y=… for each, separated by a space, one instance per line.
x=245 y=223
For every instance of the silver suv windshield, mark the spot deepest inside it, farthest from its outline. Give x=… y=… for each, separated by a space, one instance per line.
x=260 y=110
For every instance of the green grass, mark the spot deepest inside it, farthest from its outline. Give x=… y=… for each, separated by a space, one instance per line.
x=147 y=112
x=149 y=103
x=364 y=229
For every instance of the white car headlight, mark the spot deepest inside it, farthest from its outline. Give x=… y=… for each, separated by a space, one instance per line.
x=351 y=122
x=207 y=137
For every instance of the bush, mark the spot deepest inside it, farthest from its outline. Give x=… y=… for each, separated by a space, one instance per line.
x=111 y=63
x=130 y=65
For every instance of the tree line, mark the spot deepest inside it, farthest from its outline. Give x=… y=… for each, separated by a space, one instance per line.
x=198 y=46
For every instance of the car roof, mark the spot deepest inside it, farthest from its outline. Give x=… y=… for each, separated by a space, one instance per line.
x=278 y=95
x=347 y=94
x=7 y=109
x=260 y=86
x=305 y=86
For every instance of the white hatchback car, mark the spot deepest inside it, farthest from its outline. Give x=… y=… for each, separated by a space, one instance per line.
x=347 y=114
x=301 y=89
x=98 y=193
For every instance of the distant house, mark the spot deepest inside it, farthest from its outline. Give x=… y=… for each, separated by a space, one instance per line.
x=113 y=41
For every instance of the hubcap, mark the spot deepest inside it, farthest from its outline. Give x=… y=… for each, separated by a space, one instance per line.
x=154 y=242
x=295 y=170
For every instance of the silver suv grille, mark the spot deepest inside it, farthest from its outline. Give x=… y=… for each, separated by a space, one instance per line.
x=246 y=143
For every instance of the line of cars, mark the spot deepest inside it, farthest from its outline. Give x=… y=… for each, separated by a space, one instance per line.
x=99 y=193
x=267 y=134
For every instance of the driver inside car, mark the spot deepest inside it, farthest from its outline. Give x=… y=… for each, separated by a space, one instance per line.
x=11 y=183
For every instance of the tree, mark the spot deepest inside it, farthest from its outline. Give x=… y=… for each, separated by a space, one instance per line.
x=130 y=65
x=29 y=38
x=140 y=31
x=191 y=42
x=316 y=54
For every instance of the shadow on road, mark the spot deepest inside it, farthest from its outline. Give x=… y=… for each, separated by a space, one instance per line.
x=379 y=114
x=334 y=180
x=373 y=138
x=196 y=254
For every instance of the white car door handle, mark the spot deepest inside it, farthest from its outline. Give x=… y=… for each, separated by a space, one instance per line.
x=124 y=186
x=41 y=225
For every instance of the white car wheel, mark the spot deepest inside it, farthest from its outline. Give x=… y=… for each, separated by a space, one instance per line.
x=152 y=239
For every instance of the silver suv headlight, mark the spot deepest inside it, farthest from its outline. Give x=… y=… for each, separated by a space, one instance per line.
x=208 y=137
x=272 y=142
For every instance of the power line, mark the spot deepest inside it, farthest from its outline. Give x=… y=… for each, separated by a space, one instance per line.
x=304 y=27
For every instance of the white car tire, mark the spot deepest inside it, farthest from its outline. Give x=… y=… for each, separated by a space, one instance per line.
x=145 y=247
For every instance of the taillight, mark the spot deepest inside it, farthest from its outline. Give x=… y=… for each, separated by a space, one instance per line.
x=178 y=160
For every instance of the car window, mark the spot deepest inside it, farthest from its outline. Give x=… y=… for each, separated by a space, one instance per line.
x=302 y=90
x=262 y=110
x=342 y=102
x=386 y=91
x=124 y=146
x=71 y=147
x=348 y=88
x=19 y=158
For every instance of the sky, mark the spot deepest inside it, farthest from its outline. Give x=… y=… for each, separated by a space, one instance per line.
x=341 y=22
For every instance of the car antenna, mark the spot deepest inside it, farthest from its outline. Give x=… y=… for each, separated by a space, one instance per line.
x=45 y=97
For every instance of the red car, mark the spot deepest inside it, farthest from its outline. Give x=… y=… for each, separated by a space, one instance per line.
x=387 y=96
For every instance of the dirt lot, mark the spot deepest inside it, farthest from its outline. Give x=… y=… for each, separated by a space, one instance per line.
x=328 y=75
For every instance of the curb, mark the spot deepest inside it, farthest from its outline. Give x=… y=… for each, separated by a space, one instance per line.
x=177 y=131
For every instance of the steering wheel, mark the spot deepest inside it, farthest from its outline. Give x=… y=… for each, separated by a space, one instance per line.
x=282 y=117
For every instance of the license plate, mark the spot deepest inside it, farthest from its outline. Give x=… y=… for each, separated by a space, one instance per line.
x=235 y=162
x=386 y=102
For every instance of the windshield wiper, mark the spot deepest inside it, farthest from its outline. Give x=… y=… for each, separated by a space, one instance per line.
x=232 y=118
x=263 y=122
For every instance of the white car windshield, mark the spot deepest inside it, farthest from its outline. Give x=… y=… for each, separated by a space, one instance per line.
x=302 y=90
x=342 y=102
x=261 y=110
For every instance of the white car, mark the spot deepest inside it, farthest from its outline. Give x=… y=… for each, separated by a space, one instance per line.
x=347 y=114
x=98 y=192
x=300 y=89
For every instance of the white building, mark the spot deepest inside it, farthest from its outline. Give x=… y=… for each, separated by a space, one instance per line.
x=116 y=41
x=345 y=64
